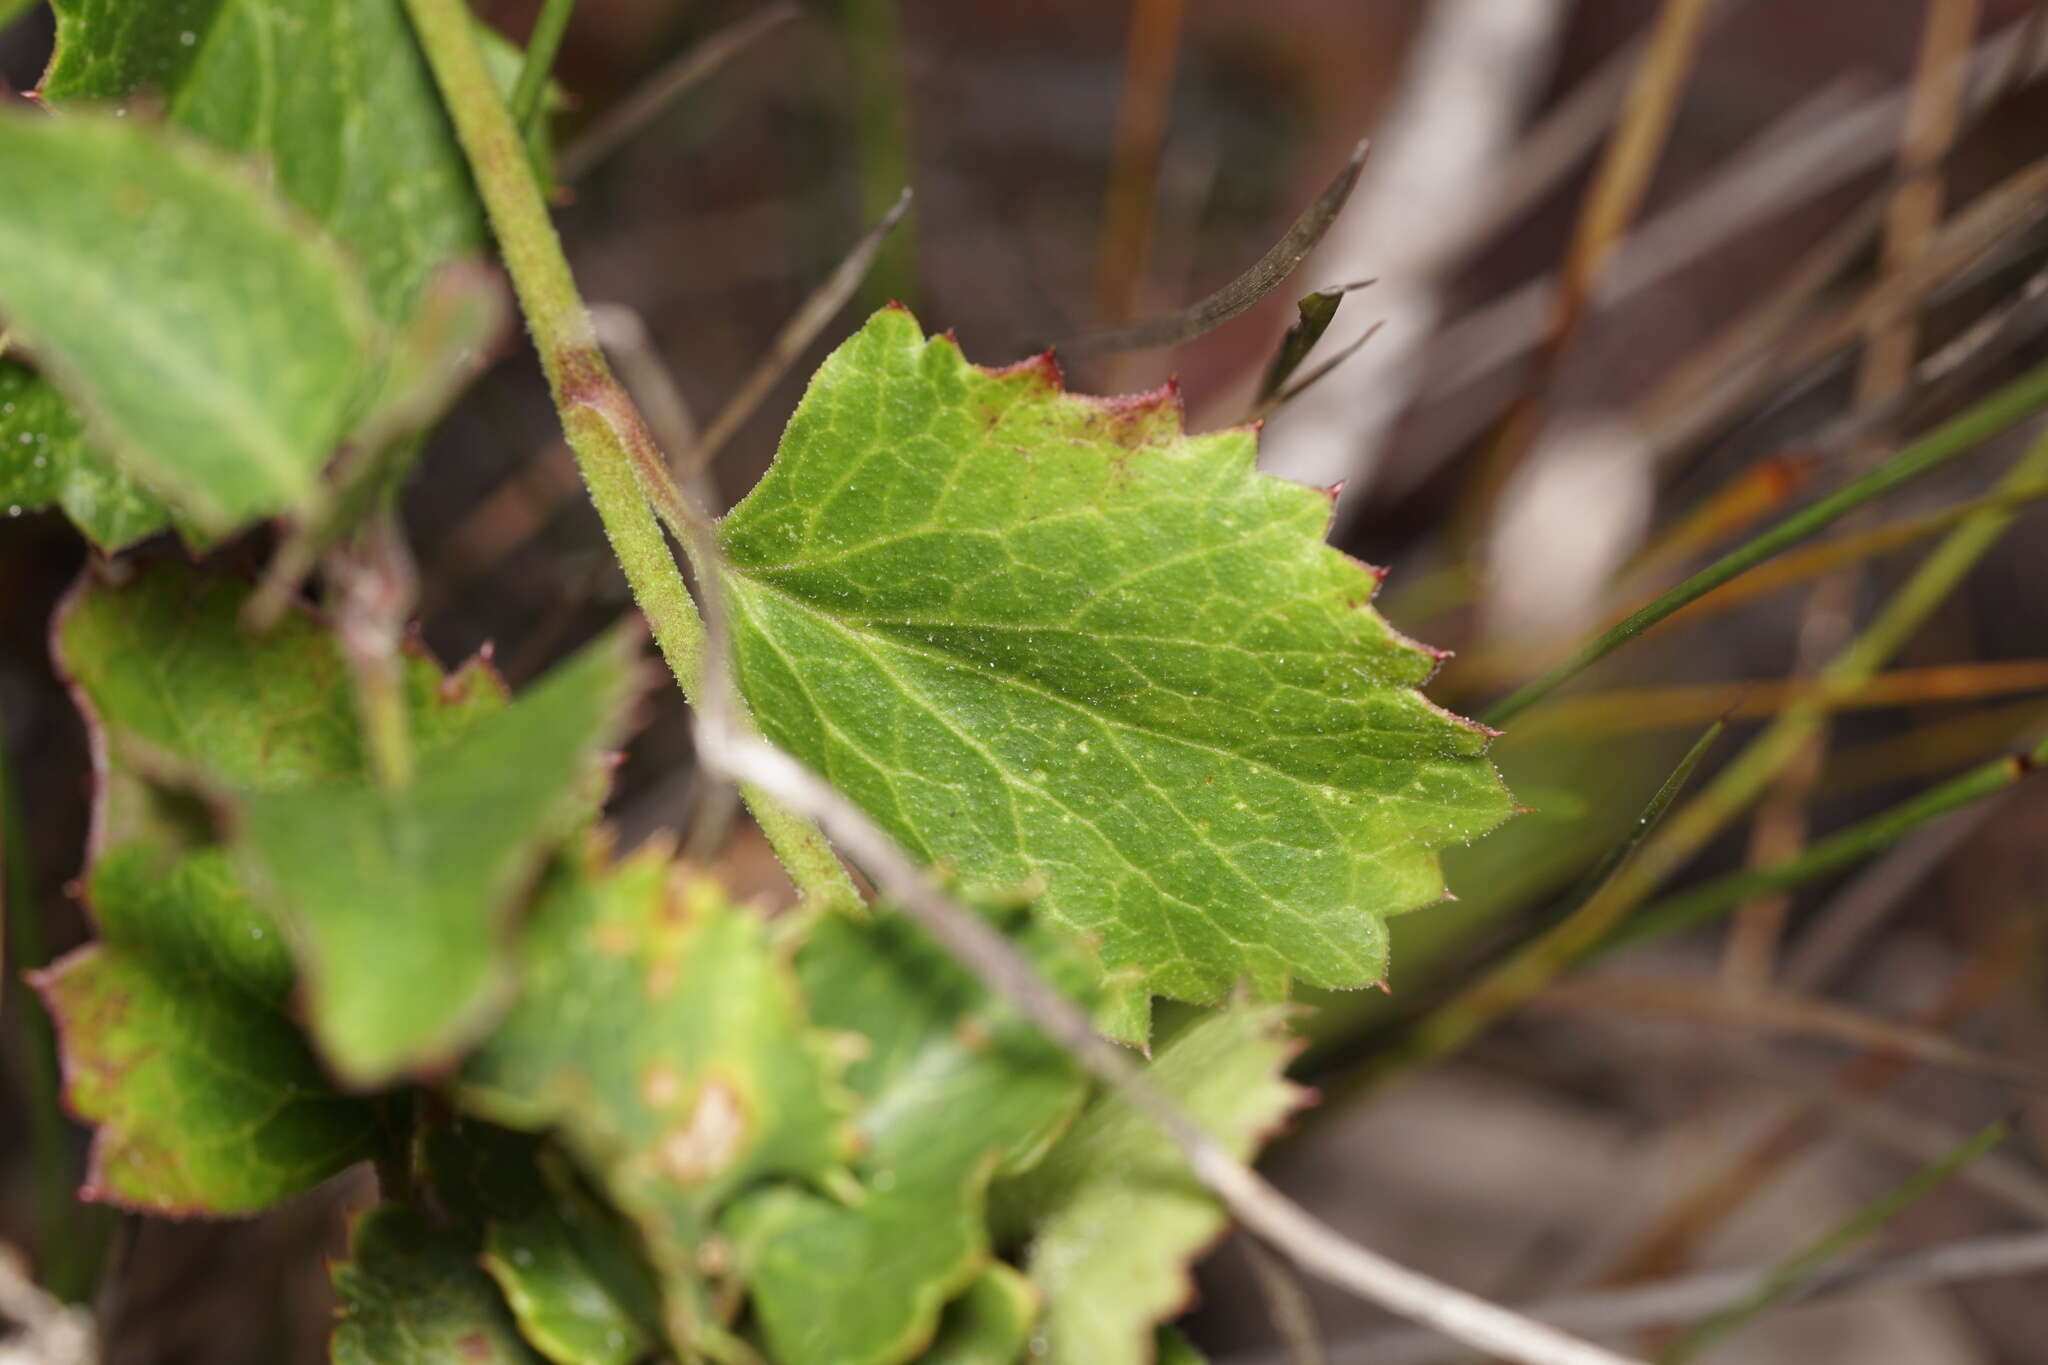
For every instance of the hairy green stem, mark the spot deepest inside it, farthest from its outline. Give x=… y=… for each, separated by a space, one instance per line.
x=541 y=46
x=603 y=427
x=2009 y=406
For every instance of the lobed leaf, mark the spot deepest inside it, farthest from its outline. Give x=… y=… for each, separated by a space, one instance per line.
x=660 y=1033
x=413 y=1295
x=1051 y=639
x=954 y=1088
x=399 y=900
x=175 y=690
x=1112 y=1216
x=180 y=1046
x=335 y=98
x=990 y=1324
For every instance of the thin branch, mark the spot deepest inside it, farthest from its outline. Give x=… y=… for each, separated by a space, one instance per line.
x=609 y=130
x=795 y=337
x=1265 y=275
x=1256 y=1204
x=1639 y=1308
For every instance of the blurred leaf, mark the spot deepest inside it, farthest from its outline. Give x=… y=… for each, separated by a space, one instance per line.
x=413 y=1295
x=1040 y=636
x=400 y=900
x=1113 y=1216
x=568 y=1268
x=215 y=346
x=953 y=1089
x=660 y=1033
x=1314 y=314
x=174 y=690
x=181 y=1049
x=354 y=135
x=1175 y=1349
x=990 y=1324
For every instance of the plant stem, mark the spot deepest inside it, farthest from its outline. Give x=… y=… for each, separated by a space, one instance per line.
x=2010 y=405
x=603 y=427
x=541 y=46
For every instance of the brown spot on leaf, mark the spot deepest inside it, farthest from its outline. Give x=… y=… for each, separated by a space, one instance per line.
x=709 y=1138
x=474 y=1346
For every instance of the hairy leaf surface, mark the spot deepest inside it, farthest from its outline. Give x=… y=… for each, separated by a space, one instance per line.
x=179 y=1045
x=665 y=1039
x=1114 y=1216
x=954 y=1088
x=215 y=345
x=1047 y=637
x=335 y=98
x=413 y=1295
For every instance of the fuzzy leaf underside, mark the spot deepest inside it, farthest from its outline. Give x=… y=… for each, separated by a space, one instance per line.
x=215 y=345
x=1112 y=1216
x=953 y=1088
x=180 y=1047
x=412 y=1294
x=1052 y=639
x=334 y=97
x=660 y=1033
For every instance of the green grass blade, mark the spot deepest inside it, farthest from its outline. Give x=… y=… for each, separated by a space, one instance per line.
x=541 y=47
x=1842 y=849
x=1466 y=1013
x=2010 y=405
x=1794 y=1274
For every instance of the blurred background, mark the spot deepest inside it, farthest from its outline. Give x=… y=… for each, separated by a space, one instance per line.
x=1646 y=278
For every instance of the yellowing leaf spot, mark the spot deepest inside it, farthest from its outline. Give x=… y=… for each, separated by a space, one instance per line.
x=709 y=1139
x=661 y=1087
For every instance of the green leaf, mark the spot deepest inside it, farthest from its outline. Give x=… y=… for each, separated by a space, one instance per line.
x=990 y=1324
x=396 y=902
x=568 y=1268
x=663 y=1036
x=180 y=1047
x=214 y=345
x=954 y=1089
x=174 y=689
x=1045 y=637
x=399 y=900
x=1113 y=1215
x=414 y=1295
x=44 y=462
x=1175 y=1349
x=335 y=97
